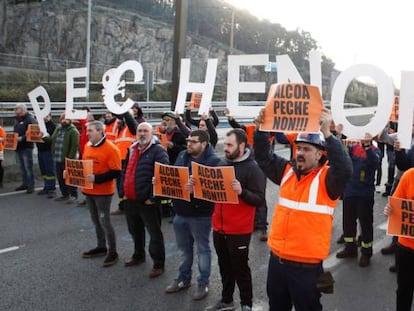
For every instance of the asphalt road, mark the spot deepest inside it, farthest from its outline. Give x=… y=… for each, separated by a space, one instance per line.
x=41 y=242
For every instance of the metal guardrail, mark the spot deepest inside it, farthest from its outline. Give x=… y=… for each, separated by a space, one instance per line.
x=152 y=110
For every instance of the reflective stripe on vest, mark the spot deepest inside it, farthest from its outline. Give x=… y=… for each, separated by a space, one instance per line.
x=311 y=205
x=124 y=136
x=111 y=130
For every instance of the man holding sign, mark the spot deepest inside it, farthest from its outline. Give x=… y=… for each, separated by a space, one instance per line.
x=192 y=222
x=233 y=224
x=142 y=211
x=24 y=148
x=405 y=245
x=300 y=233
x=106 y=159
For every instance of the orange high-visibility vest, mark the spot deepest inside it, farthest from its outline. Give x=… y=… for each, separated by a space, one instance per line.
x=124 y=140
x=111 y=130
x=302 y=221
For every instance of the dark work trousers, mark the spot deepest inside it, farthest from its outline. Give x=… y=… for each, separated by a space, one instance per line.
x=140 y=216
x=405 y=277
x=233 y=256
x=260 y=218
x=293 y=285
x=99 y=209
x=64 y=189
x=360 y=208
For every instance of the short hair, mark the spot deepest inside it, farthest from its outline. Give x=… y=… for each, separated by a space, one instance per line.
x=241 y=136
x=21 y=106
x=99 y=126
x=203 y=136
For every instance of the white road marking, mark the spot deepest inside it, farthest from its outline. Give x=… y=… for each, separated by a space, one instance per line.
x=17 y=192
x=9 y=249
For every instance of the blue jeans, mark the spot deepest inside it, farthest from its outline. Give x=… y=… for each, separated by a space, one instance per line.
x=25 y=159
x=187 y=231
x=47 y=169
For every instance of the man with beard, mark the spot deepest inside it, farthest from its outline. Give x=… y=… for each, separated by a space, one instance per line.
x=233 y=224
x=24 y=150
x=106 y=167
x=300 y=233
x=141 y=209
x=65 y=144
x=192 y=221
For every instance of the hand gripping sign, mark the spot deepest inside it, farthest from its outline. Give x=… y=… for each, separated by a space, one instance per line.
x=113 y=85
x=170 y=181
x=292 y=107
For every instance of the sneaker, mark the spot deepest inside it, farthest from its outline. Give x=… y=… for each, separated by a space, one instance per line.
x=111 y=259
x=222 y=306
x=117 y=212
x=364 y=260
x=20 y=188
x=201 y=292
x=42 y=192
x=30 y=190
x=176 y=286
x=347 y=253
x=95 y=252
x=246 y=308
x=62 y=198
x=71 y=200
x=389 y=250
x=263 y=235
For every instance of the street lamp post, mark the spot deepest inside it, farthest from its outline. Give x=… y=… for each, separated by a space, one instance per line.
x=88 y=49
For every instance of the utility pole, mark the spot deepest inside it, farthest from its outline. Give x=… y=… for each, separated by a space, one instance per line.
x=88 y=50
x=180 y=34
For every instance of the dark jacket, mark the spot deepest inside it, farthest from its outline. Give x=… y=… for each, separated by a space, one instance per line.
x=46 y=146
x=273 y=165
x=365 y=163
x=20 y=127
x=196 y=207
x=145 y=168
x=178 y=139
x=196 y=122
x=404 y=159
x=239 y=218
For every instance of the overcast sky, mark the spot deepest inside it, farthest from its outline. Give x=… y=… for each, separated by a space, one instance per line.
x=349 y=32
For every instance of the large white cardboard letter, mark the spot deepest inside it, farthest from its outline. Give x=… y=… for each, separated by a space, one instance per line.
x=113 y=85
x=385 y=99
x=205 y=88
x=235 y=86
x=72 y=92
x=405 y=115
x=40 y=113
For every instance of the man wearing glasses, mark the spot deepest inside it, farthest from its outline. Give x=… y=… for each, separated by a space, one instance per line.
x=192 y=222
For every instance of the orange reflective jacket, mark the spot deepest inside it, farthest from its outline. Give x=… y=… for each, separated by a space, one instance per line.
x=111 y=130
x=302 y=221
x=124 y=140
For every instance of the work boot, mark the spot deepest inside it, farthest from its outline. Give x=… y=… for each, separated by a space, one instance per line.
x=350 y=251
x=365 y=260
x=389 y=250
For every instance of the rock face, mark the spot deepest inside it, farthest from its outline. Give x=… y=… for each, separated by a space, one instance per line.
x=48 y=30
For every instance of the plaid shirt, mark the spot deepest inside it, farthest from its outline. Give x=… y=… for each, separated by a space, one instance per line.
x=57 y=157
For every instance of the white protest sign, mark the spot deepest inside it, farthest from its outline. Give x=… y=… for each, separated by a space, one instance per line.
x=385 y=99
x=205 y=88
x=113 y=85
x=40 y=113
x=72 y=92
